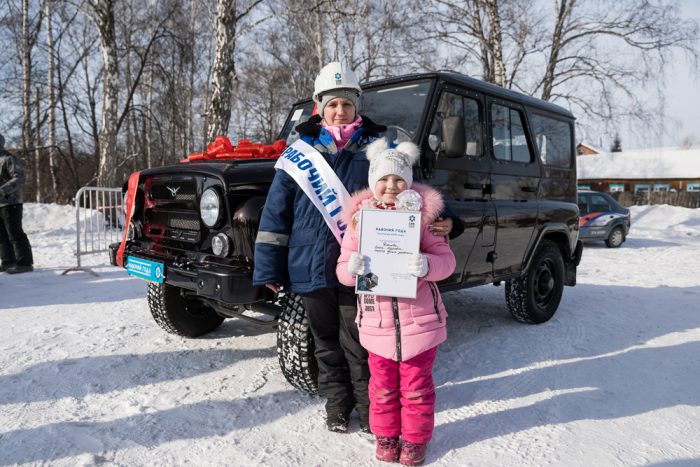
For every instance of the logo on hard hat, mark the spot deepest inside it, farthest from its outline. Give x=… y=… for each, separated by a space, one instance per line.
x=338 y=76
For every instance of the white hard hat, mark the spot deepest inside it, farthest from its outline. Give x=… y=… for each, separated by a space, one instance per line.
x=335 y=76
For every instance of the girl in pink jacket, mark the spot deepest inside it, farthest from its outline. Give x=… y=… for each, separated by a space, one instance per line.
x=400 y=334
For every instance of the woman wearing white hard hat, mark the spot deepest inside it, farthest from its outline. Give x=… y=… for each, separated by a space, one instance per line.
x=296 y=250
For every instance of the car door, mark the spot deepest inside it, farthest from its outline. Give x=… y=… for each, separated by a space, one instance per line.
x=515 y=176
x=465 y=184
x=583 y=204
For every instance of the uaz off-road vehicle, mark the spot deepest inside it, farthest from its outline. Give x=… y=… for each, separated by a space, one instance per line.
x=503 y=161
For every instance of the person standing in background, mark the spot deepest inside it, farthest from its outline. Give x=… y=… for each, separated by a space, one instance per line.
x=15 y=250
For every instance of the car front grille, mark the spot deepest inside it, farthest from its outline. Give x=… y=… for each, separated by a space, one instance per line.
x=173 y=190
x=171 y=210
x=175 y=220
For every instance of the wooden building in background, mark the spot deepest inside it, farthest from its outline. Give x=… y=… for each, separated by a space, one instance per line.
x=641 y=170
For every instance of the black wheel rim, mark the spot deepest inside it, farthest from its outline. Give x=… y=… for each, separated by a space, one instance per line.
x=544 y=283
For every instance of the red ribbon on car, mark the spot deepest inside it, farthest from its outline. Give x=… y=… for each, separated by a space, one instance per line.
x=130 y=197
x=222 y=148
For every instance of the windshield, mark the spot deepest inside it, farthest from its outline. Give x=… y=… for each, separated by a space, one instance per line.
x=399 y=107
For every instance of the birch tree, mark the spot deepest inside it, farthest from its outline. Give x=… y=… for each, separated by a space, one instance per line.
x=53 y=164
x=31 y=26
x=102 y=14
x=228 y=30
x=589 y=55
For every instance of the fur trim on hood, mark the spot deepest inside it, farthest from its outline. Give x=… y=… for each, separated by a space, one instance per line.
x=431 y=210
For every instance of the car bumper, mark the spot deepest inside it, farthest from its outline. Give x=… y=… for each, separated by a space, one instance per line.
x=595 y=233
x=228 y=284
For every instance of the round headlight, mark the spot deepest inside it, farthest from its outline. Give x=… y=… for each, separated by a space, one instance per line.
x=209 y=207
x=220 y=245
x=133 y=231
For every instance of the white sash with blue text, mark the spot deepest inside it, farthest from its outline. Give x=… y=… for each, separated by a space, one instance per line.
x=318 y=181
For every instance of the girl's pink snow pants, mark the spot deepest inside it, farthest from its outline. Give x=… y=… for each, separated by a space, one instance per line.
x=402 y=397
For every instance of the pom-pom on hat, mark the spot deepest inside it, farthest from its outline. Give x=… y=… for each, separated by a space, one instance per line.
x=384 y=160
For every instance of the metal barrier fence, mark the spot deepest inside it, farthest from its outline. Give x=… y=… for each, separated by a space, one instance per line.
x=100 y=220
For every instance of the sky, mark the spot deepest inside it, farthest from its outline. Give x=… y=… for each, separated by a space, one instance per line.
x=682 y=100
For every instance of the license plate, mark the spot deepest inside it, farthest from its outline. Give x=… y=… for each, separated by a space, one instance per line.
x=150 y=271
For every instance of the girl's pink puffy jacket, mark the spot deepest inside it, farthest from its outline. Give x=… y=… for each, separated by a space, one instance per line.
x=421 y=321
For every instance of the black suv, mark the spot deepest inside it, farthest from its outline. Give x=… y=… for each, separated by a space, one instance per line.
x=503 y=161
x=602 y=218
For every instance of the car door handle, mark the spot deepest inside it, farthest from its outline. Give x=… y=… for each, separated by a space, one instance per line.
x=485 y=188
x=529 y=189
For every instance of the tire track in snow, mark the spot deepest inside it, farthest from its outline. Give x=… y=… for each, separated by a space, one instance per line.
x=492 y=407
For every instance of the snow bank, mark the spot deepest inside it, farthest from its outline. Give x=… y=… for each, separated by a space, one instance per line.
x=665 y=220
x=46 y=217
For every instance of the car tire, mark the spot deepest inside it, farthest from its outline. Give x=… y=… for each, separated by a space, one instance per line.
x=534 y=297
x=295 y=345
x=179 y=315
x=616 y=238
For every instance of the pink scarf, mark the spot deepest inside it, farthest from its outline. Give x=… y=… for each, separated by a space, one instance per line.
x=342 y=133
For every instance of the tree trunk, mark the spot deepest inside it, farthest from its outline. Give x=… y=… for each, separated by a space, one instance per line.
x=335 y=19
x=478 y=32
x=224 y=70
x=53 y=163
x=104 y=19
x=66 y=127
x=126 y=34
x=318 y=33
x=26 y=80
x=191 y=80
x=496 y=42
x=563 y=11
x=37 y=145
x=149 y=116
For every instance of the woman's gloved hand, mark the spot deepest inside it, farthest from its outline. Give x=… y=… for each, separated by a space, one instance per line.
x=417 y=265
x=357 y=264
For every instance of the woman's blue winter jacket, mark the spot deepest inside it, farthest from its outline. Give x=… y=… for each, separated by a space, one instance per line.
x=294 y=246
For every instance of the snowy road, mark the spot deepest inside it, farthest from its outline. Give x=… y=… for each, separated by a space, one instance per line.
x=87 y=377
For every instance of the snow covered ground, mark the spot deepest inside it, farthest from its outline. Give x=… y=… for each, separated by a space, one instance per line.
x=88 y=378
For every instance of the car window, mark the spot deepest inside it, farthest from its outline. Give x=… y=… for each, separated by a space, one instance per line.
x=582 y=204
x=553 y=138
x=617 y=207
x=455 y=105
x=599 y=204
x=399 y=106
x=300 y=113
x=509 y=141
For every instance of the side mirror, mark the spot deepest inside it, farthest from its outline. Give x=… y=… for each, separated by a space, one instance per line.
x=453 y=137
